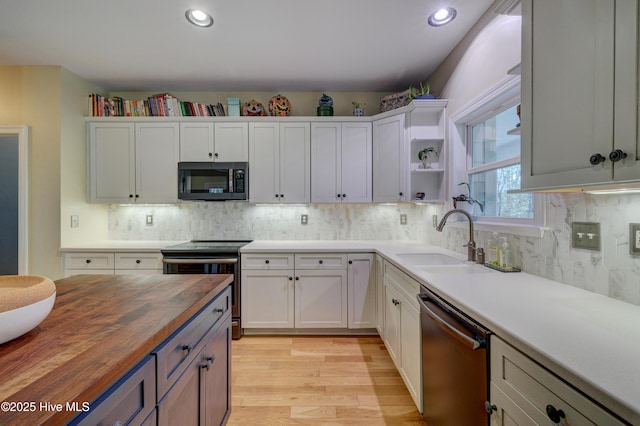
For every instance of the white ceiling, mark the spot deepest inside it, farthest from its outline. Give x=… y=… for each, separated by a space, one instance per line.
x=254 y=45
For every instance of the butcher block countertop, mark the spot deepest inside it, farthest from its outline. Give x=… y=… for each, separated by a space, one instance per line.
x=100 y=327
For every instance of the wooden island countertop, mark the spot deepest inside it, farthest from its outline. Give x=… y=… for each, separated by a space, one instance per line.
x=99 y=328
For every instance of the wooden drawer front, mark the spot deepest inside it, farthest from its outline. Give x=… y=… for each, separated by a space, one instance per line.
x=129 y=401
x=88 y=261
x=405 y=284
x=267 y=261
x=321 y=261
x=532 y=387
x=180 y=349
x=138 y=261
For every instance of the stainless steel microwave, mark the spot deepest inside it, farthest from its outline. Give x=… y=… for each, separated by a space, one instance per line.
x=211 y=181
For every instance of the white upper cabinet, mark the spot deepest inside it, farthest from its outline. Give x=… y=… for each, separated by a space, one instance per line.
x=341 y=156
x=389 y=160
x=206 y=141
x=579 y=89
x=133 y=163
x=280 y=162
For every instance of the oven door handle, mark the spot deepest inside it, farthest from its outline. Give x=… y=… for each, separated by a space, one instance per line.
x=470 y=341
x=200 y=261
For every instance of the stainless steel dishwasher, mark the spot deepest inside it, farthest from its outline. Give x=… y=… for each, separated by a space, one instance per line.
x=454 y=364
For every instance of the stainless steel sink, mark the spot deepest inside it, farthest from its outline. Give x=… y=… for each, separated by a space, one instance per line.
x=424 y=259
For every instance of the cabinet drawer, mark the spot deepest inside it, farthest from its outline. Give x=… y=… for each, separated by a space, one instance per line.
x=405 y=284
x=180 y=349
x=89 y=261
x=129 y=401
x=267 y=261
x=533 y=388
x=138 y=260
x=321 y=261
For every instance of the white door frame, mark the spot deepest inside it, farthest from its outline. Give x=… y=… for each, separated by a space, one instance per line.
x=23 y=193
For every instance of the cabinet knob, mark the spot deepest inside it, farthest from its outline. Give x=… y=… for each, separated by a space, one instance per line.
x=137 y=196
x=138 y=261
x=281 y=195
x=297 y=278
x=187 y=348
x=338 y=195
x=266 y=261
x=596 y=159
x=344 y=195
x=617 y=155
x=277 y=195
x=87 y=261
x=210 y=154
x=130 y=195
x=290 y=278
x=350 y=262
x=400 y=194
x=320 y=261
x=489 y=407
x=215 y=155
x=554 y=414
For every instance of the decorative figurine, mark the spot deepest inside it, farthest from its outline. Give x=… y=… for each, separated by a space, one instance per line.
x=253 y=108
x=279 y=106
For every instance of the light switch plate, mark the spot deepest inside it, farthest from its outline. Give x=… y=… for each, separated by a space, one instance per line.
x=634 y=239
x=585 y=235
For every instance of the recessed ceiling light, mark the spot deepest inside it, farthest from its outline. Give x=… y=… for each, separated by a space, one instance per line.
x=442 y=17
x=199 y=18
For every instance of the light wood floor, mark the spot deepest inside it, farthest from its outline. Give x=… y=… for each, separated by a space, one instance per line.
x=317 y=381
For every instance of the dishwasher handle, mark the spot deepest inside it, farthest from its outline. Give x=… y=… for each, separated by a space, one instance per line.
x=473 y=343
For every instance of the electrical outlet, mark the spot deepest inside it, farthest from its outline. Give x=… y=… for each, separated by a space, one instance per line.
x=434 y=220
x=149 y=220
x=634 y=239
x=585 y=235
x=75 y=221
x=304 y=219
x=403 y=219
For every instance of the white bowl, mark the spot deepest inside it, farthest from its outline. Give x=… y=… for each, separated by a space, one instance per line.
x=29 y=299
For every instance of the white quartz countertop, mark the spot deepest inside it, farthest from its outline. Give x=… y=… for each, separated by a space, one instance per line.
x=590 y=340
x=120 y=246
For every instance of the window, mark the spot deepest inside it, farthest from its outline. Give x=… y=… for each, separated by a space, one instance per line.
x=485 y=144
x=493 y=145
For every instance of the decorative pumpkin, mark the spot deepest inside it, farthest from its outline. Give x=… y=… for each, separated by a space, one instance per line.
x=279 y=106
x=253 y=108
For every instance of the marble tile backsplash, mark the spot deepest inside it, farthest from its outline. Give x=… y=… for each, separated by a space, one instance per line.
x=612 y=271
x=240 y=220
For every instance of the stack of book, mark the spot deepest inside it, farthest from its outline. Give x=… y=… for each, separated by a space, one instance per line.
x=161 y=105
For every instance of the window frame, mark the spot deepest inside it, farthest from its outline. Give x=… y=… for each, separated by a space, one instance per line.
x=501 y=96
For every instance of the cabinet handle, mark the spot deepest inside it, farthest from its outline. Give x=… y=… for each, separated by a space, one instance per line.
x=489 y=407
x=290 y=278
x=87 y=261
x=338 y=195
x=266 y=261
x=617 y=155
x=187 y=348
x=215 y=155
x=297 y=278
x=218 y=310
x=400 y=194
x=344 y=195
x=209 y=360
x=210 y=154
x=277 y=195
x=554 y=414
x=138 y=261
x=596 y=159
x=320 y=261
x=351 y=262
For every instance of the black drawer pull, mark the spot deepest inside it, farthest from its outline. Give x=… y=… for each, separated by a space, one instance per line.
x=209 y=360
x=138 y=261
x=554 y=414
x=266 y=261
x=320 y=261
x=187 y=348
x=218 y=310
x=88 y=261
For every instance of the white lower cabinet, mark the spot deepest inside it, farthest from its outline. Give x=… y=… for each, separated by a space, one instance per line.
x=110 y=263
x=402 y=336
x=307 y=290
x=525 y=393
x=379 y=283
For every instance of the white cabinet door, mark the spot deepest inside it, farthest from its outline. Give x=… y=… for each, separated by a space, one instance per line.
x=411 y=352
x=280 y=162
x=111 y=163
x=264 y=162
x=356 y=162
x=361 y=278
x=295 y=162
x=231 y=142
x=157 y=156
x=579 y=91
x=326 y=167
x=389 y=159
x=196 y=141
x=267 y=298
x=392 y=323
x=341 y=155
x=321 y=298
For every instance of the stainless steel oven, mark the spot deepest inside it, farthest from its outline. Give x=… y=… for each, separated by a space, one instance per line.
x=209 y=257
